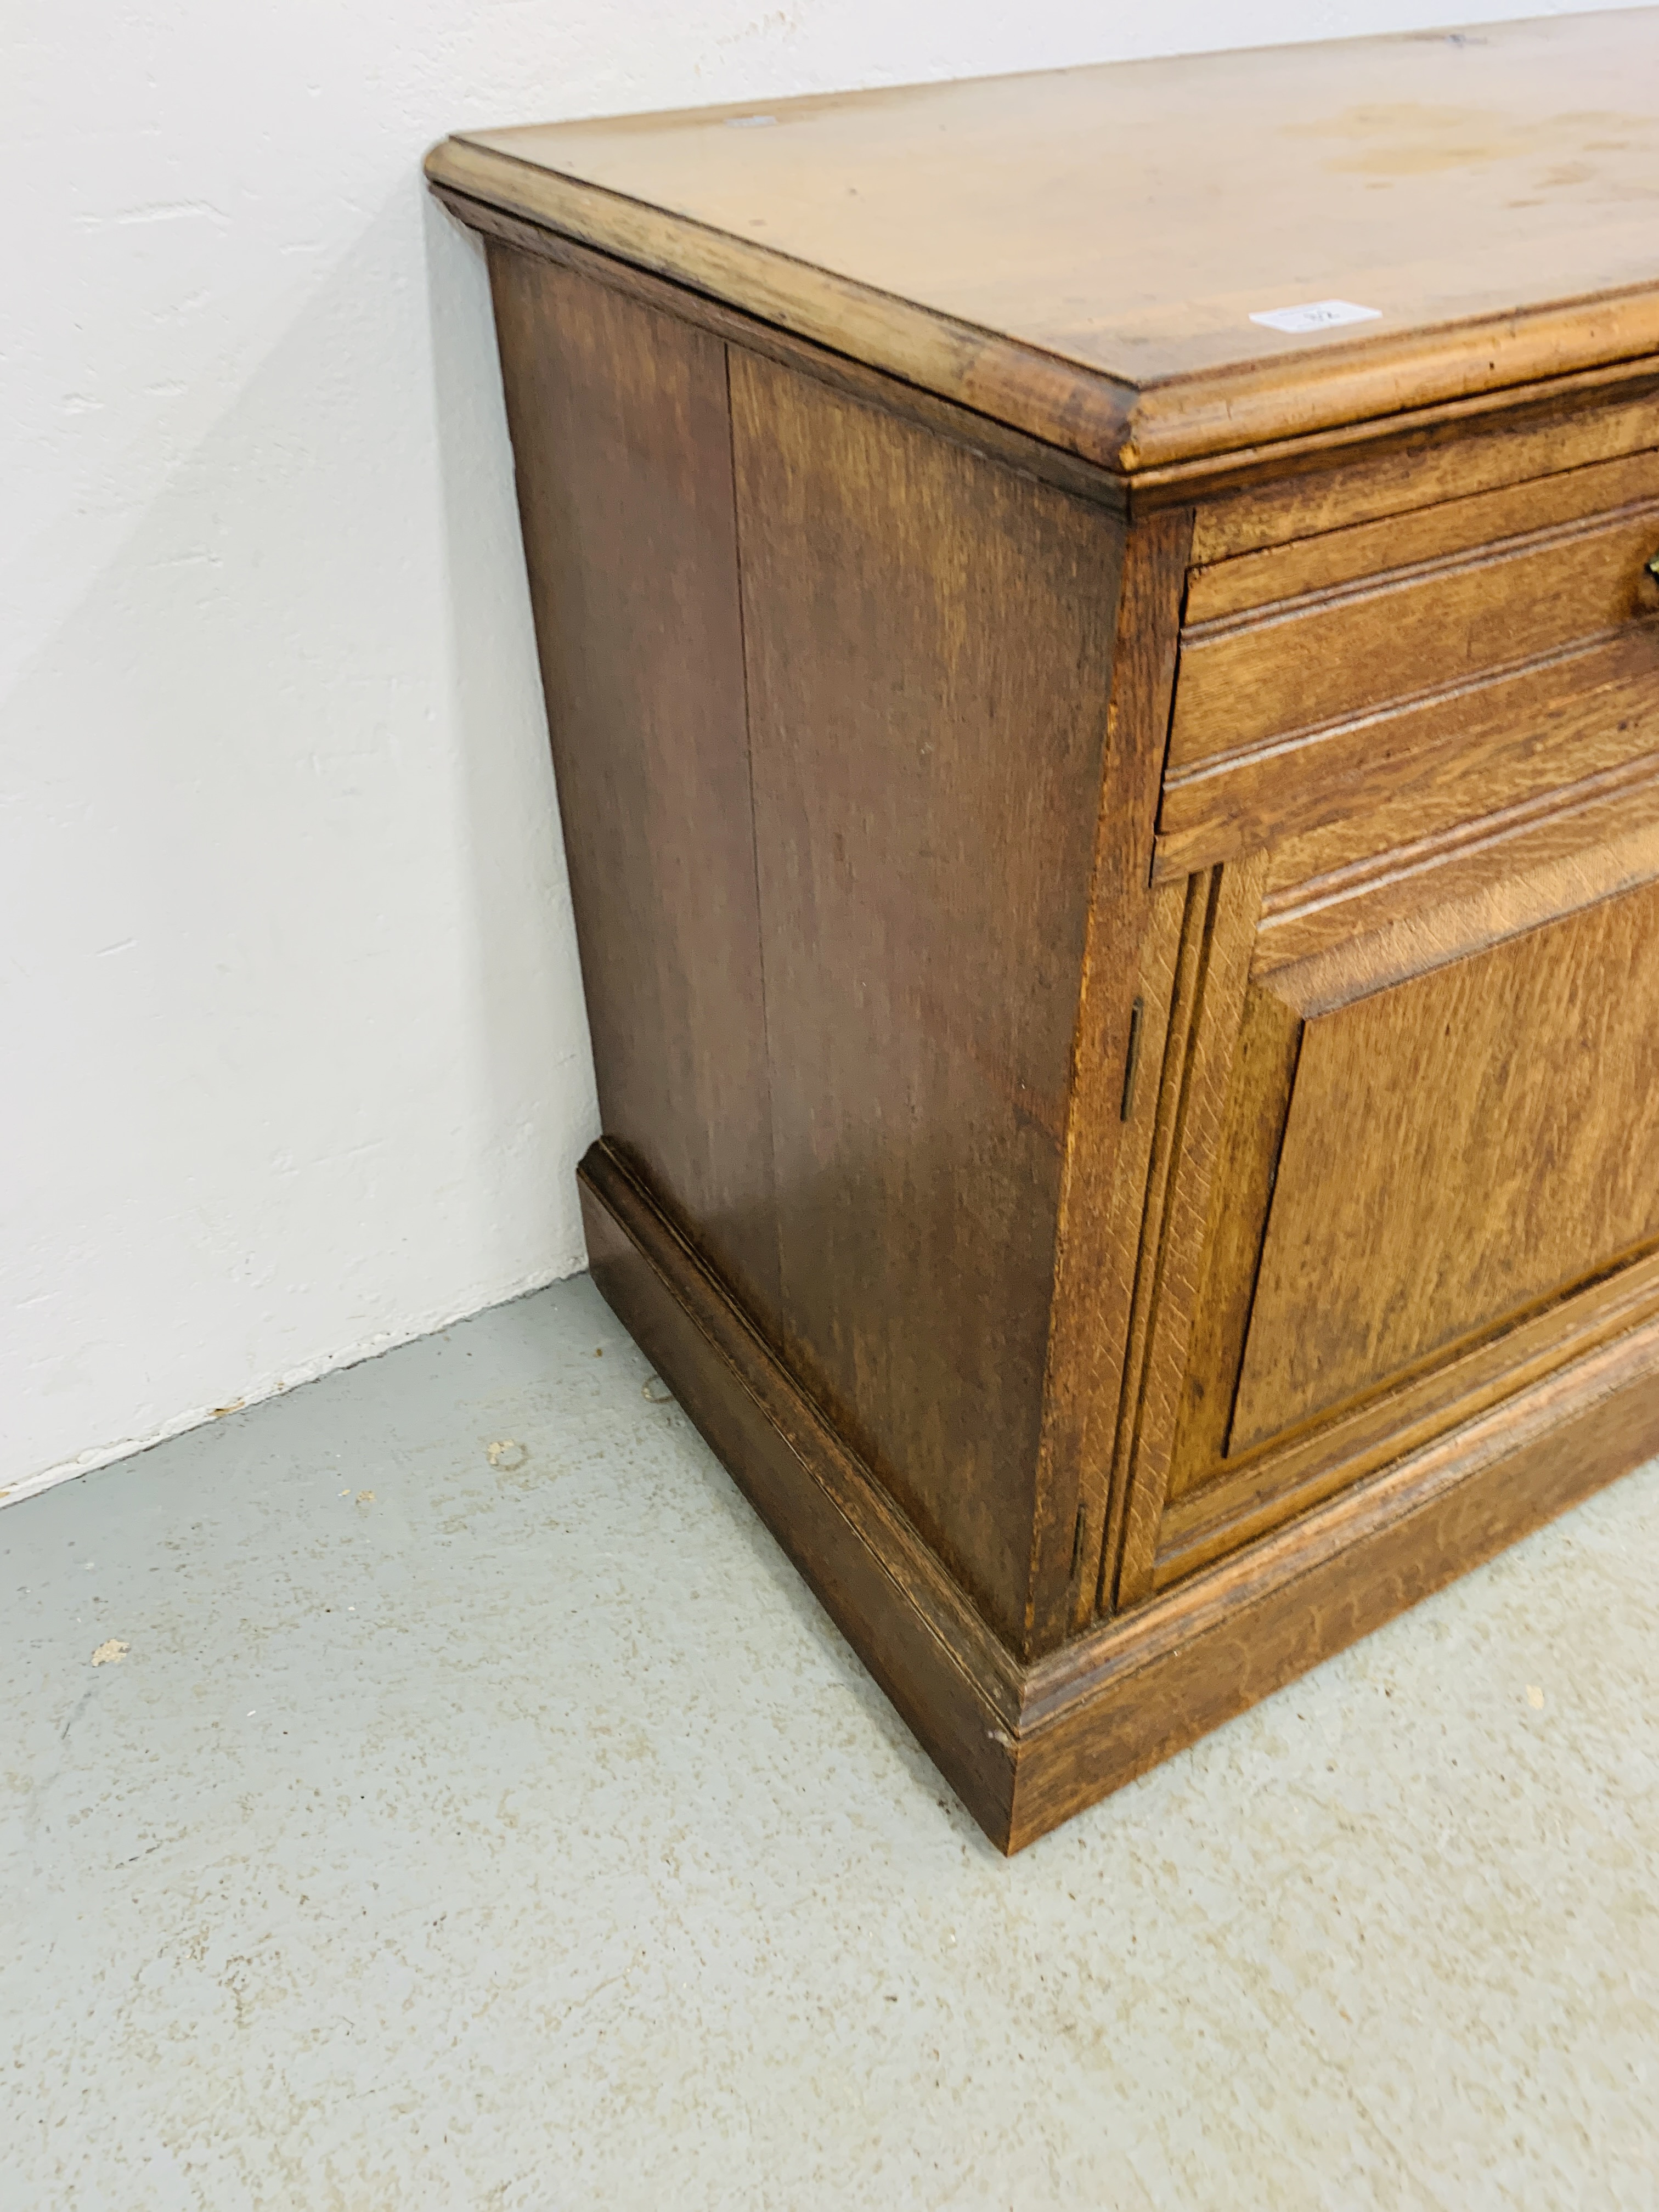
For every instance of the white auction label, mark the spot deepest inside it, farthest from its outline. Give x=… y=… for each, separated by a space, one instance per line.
x=1316 y=315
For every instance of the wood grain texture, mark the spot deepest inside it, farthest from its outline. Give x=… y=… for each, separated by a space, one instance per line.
x=1381 y=464
x=622 y=440
x=979 y=432
x=1253 y=1130
x=1402 y=770
x=1025 y=1747
x=1538 y=1062
x=967 y=652
x=1579 y=423
x=881 y=1585
x=1140 y=1186
x=998 y=378
x=1220 y=913
x=1271 y=582
x=952 y=234
x=1115 y=1703
x=929 y=644
x=1397 y=914
x=1108 y=1129
x=1246 y=1496
x=1531 y=745
x=1333 y=653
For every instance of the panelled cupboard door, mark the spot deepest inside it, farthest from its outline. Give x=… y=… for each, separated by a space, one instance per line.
x=1424 y=1190
x=1460 y=1149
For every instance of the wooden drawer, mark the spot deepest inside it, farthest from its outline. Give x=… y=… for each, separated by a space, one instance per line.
x=1331 y=674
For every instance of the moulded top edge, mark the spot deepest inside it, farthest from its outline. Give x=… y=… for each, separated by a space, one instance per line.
x=1179 y=259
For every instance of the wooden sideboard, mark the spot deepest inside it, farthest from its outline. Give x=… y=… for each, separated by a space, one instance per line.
x=1115 y=843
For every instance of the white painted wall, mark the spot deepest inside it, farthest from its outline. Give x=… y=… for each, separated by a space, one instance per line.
x=294 y=1064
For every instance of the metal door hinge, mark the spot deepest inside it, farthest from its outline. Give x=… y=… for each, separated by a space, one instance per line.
x=1131 y=1060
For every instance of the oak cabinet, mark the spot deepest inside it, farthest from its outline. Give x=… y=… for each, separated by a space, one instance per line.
x=1110 y=777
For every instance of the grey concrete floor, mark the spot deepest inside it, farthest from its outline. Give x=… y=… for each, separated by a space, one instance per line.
x=480 y=1813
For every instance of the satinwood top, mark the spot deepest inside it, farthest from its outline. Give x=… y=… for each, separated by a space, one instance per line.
x=1082 y=252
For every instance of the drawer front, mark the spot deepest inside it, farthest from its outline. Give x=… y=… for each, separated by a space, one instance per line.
x=1321 y=676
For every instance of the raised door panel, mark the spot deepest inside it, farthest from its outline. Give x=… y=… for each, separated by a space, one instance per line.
x=1460 y=1149
x=1430 y=1188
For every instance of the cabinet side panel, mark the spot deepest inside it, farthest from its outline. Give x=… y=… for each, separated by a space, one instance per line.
x=929 y=642
x=622 y=438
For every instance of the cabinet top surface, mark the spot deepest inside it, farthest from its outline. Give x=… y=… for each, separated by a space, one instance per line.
x=1129 y=222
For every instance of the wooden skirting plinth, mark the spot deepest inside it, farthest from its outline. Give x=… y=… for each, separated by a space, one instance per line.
x=1025 y=1747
